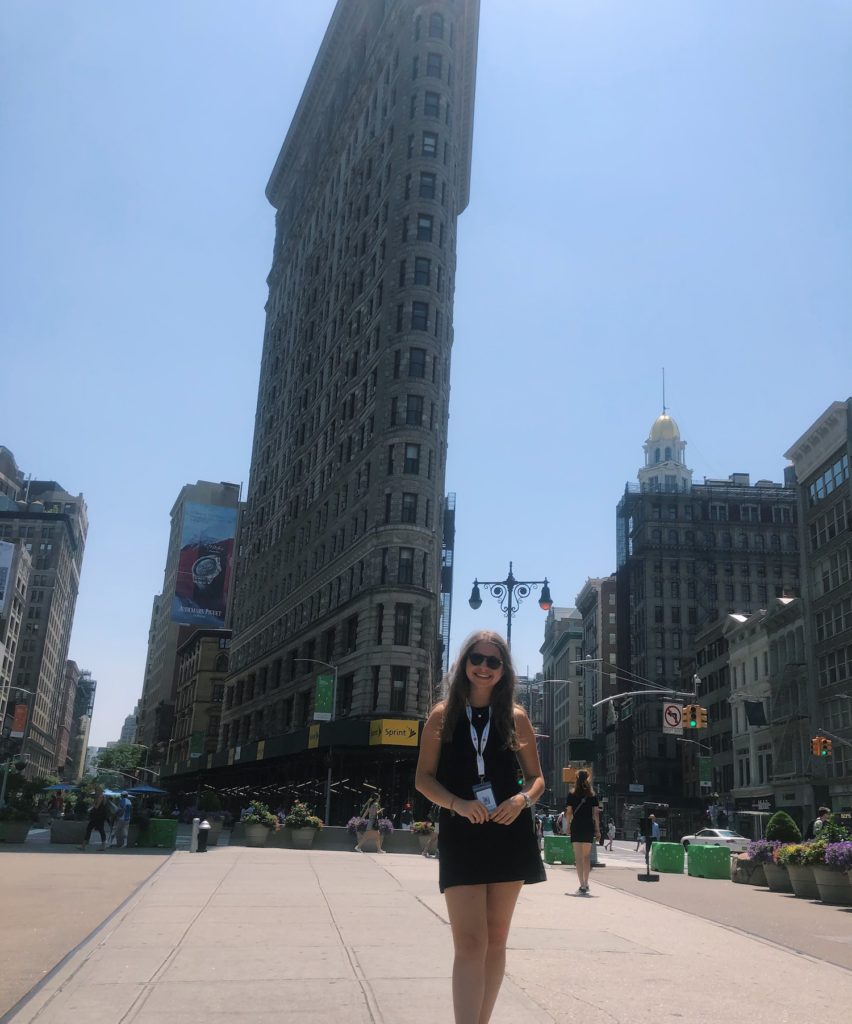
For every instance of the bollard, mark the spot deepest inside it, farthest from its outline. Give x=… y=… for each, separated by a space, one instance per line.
x=203 y=835
x=193 y=841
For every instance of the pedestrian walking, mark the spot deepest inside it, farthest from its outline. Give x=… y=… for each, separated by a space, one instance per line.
x=652 y=835
x=406 y=818
x=610 y=835
x=371 y=812
x=98 y=815
x=584 y=826
x=121 y=822
x=470 y=749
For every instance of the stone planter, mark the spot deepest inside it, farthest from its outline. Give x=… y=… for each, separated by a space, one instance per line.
x=777 y=878
x=747 y=872
x=833 y=886
x=64 y=832
x=256 y=835
x=424 y=842
x=303 y=838
x=214 y=832
x=802 y=880
x=14 y=831
x=370 y=841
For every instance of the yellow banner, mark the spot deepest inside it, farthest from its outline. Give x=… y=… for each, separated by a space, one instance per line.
x=313 y=736
x=261 y=747
x=394 y=732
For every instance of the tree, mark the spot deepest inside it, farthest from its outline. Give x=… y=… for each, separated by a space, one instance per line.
x=123 y=757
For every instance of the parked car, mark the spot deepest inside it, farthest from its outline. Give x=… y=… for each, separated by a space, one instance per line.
x=718 y=837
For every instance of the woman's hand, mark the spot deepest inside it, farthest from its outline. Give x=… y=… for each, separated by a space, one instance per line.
x=509 y=810
x=473 y=810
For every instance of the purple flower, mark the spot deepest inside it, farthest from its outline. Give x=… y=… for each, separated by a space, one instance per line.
x=761 y=850
x=839 y=856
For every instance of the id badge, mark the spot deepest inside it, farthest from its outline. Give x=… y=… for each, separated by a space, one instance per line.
x=485 y=795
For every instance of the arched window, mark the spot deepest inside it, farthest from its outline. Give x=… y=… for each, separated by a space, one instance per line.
x=436 y=26
x=668 y=455
x=222 y=663
x=656 y=455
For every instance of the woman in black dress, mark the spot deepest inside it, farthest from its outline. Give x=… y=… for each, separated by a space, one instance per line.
x=584 y=826
x=470 y=752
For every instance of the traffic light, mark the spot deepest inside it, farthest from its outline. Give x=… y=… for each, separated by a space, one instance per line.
x=815 y=746
x=690 y=716
x=825 y=747
x=701 y=716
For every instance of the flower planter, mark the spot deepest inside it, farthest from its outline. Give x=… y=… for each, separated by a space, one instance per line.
x=748 y=872
x=303 y=838
x=256 y=835
x=777 y=878
x=802 y=880
x=214 y=832
x=14 y=831
x=65 y=832
x=833 y=885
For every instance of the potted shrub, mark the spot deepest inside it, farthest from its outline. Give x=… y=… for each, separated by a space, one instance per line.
x=259 y=822
x=424 y=830
x=781 y=828
x=14 y=824
x=801 y=875
x=211 y=805
x=304 y=825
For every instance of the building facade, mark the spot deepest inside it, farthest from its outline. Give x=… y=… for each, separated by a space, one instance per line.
x=688 y=554
x=340 y=566
x=15 y=569
x=596 y=604
x=821 y=459
x=51 y=525
x=78 y=743
x=564 y=691
x=196 y=586
x=201 y=674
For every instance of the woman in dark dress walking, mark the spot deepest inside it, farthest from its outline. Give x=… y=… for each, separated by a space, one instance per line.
x=472 y=745
x=584 y=826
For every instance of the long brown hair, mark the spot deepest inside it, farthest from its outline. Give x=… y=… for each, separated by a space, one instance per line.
x=502 y=696
x=583 y=785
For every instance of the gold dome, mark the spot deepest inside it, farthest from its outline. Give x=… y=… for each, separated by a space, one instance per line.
x=664 y=429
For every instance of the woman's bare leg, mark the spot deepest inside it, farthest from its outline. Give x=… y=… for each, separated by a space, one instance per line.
x=582 y=858
x=501 y=900
x=468 y=911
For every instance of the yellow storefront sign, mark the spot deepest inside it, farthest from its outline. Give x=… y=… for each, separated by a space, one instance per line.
x=394 y=732
x=313 y=736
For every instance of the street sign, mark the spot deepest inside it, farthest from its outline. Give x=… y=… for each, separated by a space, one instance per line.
x=672 y=718
x=323 y=698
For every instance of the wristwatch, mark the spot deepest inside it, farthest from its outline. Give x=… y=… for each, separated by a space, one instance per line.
x=527 y=800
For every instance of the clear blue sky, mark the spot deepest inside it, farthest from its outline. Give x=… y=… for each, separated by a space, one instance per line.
x=656 y=183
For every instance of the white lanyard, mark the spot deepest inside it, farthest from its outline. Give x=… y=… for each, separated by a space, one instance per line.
x=479 y=744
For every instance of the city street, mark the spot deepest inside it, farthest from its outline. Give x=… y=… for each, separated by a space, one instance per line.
x=278 y=935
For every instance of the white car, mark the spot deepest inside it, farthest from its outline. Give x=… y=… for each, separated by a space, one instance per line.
x=733 y=841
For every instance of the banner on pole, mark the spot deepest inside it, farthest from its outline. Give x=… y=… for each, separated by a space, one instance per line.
x=324 y=698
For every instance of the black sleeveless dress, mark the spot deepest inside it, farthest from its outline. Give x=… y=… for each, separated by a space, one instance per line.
x=471 y=854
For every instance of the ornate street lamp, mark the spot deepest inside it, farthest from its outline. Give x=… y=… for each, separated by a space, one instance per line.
x=509 y=593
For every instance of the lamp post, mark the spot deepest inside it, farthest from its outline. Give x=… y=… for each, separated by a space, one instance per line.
x=325 y=664
x=509 y=593
x=23 y=737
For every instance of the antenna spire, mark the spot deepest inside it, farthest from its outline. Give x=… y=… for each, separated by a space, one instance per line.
x=664 y=391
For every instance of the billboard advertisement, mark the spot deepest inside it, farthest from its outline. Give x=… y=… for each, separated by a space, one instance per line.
x=204 y=565
x=19 y=722
x=7 y=584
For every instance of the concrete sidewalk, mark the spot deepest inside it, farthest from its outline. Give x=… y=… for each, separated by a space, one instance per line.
x=244 y=935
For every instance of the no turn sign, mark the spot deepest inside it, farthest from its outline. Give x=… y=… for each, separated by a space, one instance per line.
x=672 y=718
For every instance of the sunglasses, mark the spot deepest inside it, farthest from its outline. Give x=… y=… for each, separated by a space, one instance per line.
x=477 y=659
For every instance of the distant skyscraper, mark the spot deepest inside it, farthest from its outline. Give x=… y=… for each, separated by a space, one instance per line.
x=51 y=524
x=195 y=592
x=341 y=547
x=688 y=554
x=128 y=730
x=78 y=743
